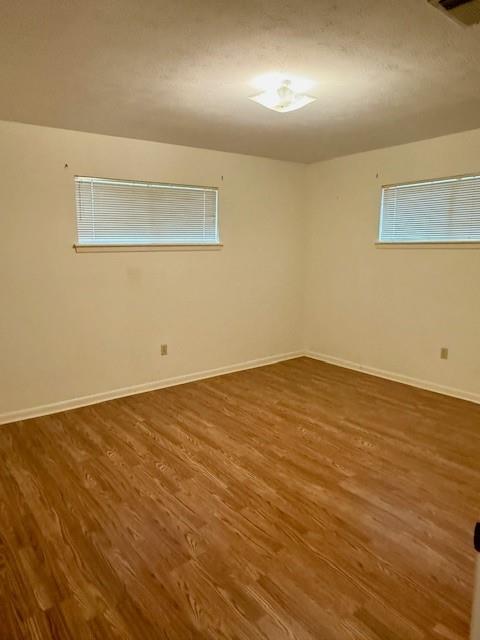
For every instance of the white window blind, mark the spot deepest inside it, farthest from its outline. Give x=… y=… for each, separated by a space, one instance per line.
x=446 y=210
x=128 y=212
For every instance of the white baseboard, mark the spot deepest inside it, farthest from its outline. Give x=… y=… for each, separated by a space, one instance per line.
x=396 y=377
x=74 y=403
x=65 y=405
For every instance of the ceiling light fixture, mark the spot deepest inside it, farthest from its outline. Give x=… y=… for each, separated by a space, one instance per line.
x=282 y=94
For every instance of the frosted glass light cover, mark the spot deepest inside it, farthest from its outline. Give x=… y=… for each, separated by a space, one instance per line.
x=282 y=98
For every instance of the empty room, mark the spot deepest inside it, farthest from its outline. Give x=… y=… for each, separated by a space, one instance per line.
x=240 y=320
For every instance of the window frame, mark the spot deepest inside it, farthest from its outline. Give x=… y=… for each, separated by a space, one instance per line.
x=98 y=247
x=423 y=244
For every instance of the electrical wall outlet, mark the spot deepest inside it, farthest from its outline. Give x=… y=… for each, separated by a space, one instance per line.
x=164 y=349
x=444 y=353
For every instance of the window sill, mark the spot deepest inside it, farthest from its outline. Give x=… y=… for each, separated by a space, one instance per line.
x=114 y=248
x=427 y=245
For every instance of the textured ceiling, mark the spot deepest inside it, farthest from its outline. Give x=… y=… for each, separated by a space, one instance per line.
x=386 y=71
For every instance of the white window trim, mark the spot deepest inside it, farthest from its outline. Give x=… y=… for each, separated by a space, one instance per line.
x=113 y=248
x=457 y=244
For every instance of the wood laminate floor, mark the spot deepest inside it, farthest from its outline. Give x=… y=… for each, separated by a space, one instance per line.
x=295 y=501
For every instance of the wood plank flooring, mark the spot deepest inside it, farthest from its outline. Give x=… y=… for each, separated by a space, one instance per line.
x=296 y=501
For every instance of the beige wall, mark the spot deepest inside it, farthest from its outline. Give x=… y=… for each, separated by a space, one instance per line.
x=74 y=325
x=78 y=324
x=391 y=309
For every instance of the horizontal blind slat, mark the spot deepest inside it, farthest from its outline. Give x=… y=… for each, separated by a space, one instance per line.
x=111 y=211
x=438 y=210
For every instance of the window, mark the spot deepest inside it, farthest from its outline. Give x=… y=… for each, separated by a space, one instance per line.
x=127 y=212
x=446 y=210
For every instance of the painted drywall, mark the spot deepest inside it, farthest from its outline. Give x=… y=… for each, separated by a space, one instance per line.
x=72 y=325
x=391 y=310
x=299 y=271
